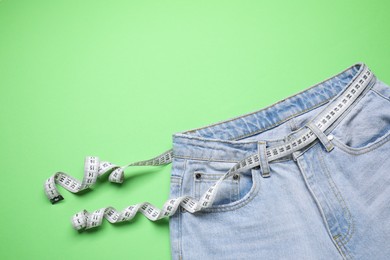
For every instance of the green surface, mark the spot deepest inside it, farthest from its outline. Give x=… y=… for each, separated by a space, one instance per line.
x=116 y=79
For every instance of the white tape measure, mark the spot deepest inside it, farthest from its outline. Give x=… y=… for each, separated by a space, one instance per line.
x=94 y=168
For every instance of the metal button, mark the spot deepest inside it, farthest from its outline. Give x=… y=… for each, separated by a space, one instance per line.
x=198 y=175
x=235 y=177
x=330 y=137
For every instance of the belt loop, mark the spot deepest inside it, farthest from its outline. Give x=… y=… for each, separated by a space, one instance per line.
x=265 y=171
x=321 y=136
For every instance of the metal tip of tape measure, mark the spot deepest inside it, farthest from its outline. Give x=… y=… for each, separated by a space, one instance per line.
x=56 y=199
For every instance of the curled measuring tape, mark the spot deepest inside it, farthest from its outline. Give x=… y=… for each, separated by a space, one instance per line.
x=94 y=168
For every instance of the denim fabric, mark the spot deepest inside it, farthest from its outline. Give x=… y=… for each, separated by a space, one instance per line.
x=322 y=202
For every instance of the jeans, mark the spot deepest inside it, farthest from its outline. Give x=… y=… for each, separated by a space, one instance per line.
x=329 y=199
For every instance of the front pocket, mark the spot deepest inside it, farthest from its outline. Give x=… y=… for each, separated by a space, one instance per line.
x=366 y=126
x=229 y=189
x=234 y=192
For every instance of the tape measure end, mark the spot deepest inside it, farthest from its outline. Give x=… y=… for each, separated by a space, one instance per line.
x=56 y=199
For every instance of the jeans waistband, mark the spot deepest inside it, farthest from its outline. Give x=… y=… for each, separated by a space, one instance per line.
x=226 y=140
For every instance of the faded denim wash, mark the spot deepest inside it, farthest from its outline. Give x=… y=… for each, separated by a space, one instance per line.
x=316 y=204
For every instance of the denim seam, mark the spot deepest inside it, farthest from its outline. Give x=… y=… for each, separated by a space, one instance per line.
x=230 y=192
x=322 y=213
x=344 y=249
x=218 y=160
x=235 y=190
x=342 y=201
x=207 y=179
x=358 y=73
x=285 y=119
x=358 y=151
x=351 y=227
x=175 y=179
x=380 y=94
x=209 y=176
x=201 y=138
x=265 y=161
x=252 y=193
x=262 y=129
x=180 y=215
x=238 y=190
x=204 y=159
x=227 y=141
x=195 y=187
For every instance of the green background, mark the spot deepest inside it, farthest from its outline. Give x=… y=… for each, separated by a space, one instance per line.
x=116 y=79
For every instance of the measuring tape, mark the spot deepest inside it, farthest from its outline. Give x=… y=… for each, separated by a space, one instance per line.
x=94 y=168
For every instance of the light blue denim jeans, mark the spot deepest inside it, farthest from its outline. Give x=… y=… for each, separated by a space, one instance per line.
x=329 y=200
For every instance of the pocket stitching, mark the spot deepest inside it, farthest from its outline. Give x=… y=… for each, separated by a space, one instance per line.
x=175 y=179
x=208 y=178
x=252 y=193
x=361 y=150
x=381 y=95
x=368 y=148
